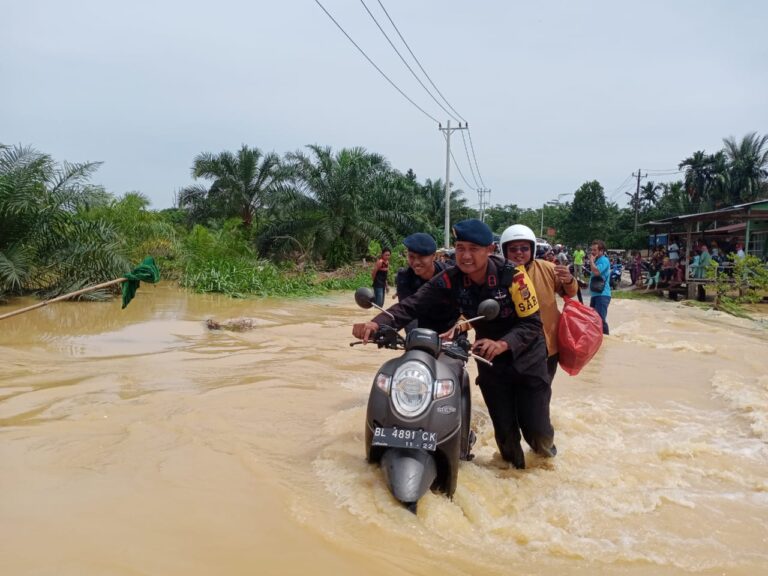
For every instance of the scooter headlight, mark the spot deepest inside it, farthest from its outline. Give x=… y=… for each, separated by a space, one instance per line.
x=412 y=389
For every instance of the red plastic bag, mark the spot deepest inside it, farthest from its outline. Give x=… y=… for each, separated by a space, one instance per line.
x=579 y=335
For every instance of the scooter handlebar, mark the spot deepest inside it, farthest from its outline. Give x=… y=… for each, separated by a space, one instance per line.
x=456 y=350
x=385 y=337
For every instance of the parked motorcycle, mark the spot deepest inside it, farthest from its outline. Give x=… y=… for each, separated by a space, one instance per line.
x=418 y=416
x=615 y=277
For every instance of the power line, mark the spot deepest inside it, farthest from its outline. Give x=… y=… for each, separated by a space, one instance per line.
x=618 y=188
x=666 y=170
x=374 y=64
x=472 y=170
x=456 y=164
x=417 y=61
x=380 y=71
x=625 y=190
x=469 y=133
x=404 y=62
x=476 y=167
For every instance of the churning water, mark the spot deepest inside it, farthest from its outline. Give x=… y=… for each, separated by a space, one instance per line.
x=140 y=442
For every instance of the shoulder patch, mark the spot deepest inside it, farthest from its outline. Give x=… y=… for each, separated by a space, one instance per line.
x=523 y=293
x=442 y=280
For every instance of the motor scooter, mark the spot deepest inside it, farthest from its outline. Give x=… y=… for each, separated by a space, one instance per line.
x=615 y=277
x=417 y=424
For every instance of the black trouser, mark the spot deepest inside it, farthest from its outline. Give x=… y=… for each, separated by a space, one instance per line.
x=518 y=402
x=552 y=366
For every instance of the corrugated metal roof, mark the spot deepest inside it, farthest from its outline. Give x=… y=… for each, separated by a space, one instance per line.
x=735 y=211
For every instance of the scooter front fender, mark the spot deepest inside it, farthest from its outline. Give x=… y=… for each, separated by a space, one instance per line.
x=409 y=473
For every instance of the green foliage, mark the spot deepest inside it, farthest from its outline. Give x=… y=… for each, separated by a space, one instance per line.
x=500 y=217
x=588 y=217
x=45 y=245
x=747 y=165
x=339 y=204
x=141 y=231
x=621 y=233
x=348 y=278
x=243 y=184
x=733 y=175
x=241 y=277
x=747 y=282
x=310 y=211
x=374 y=249
x=751 y=277
x=722 y=284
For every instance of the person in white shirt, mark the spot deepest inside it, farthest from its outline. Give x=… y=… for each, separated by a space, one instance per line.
x=674 y=252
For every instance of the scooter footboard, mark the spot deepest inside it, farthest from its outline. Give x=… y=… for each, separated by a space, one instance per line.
x=409 y=473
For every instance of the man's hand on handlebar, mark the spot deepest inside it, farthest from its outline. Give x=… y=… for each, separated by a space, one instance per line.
x=453 y=333
x=489 y=349
x=364 y=330
x=448 y=336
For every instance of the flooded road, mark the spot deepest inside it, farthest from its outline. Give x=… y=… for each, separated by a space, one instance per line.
x=138 y=442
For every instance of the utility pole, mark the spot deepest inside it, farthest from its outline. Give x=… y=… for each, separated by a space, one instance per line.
x=637 y=193
x=484 y=198
x=448 y=131
x=555 y=202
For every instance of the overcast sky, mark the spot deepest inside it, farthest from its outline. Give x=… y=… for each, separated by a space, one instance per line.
x=556 y=93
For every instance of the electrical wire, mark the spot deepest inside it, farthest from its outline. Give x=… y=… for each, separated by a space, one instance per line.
x=627 y=191
x=374 y=65
x=665 y=170
x=456 y=164
x=469 y=133
x=460 y=117
x=417 y=61
x=469 y=161
x=476 y=167
x=403 y=94
x=620 y=187
x=404 y=61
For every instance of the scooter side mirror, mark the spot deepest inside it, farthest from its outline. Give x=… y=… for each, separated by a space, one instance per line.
x=364 y=297
x=488 y=309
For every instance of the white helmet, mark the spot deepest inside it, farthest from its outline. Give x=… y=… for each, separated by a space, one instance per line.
x=517 y=232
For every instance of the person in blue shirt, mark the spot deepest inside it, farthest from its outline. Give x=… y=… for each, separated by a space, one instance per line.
x=600 y=266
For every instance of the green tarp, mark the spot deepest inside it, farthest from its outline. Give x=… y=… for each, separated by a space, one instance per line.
x=147 y=271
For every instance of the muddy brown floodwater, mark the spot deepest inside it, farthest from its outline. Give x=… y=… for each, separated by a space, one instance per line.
x=138 y=442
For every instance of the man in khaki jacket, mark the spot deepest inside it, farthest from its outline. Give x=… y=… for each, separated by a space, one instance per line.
x=518 y=244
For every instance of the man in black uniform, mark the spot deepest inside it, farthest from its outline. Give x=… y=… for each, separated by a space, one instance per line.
x=516 y=389
x=422 y=266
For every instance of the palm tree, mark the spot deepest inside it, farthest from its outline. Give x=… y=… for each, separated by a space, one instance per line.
x=674 y=200
x=697 y=176
x=649 y=195
x=44 y=245
x=242 y=186
x=332 y=211
x=747 y=166
x=432 y=193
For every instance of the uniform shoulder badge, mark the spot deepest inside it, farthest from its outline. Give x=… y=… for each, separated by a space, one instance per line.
x=523 y=293
x=442 y=280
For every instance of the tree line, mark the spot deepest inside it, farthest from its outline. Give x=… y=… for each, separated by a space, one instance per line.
x=257 y=223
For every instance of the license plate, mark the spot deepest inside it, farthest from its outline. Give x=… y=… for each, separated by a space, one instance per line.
x=404 y=438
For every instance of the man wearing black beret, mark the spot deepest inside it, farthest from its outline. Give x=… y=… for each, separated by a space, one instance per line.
x=422 y=266
x=516 y=389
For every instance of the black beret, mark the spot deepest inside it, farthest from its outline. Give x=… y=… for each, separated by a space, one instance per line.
x=420 y=243
x=474 y=231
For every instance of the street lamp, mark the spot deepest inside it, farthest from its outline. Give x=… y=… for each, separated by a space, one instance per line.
x=551 y=203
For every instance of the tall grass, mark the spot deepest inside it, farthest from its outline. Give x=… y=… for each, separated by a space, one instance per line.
x=224 y=261
x=241 y=278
